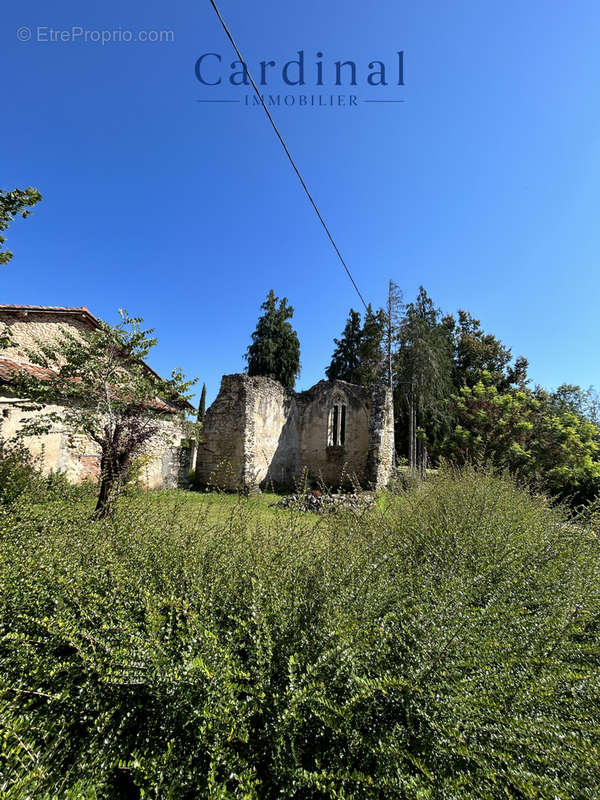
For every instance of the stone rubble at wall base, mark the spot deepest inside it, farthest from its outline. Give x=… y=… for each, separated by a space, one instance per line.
x=327 y=503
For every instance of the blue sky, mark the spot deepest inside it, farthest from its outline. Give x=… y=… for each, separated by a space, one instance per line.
x=482 y=185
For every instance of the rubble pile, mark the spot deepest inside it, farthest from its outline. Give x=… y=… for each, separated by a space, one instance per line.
x=320 y=503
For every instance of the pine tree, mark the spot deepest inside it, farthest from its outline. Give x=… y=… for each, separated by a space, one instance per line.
x=275 y=349
x=393 y=319
x=372 y=356
x=358 y=356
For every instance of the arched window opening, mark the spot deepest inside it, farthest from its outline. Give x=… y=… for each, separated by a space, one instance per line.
x=337 y=424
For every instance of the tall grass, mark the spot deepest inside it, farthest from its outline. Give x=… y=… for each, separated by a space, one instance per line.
x=447 y=647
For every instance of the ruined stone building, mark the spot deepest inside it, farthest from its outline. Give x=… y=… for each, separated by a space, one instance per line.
x=168 y=458
x=257 y=432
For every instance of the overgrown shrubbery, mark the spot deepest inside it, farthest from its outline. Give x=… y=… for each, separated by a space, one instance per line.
x=20 y=473
x=447 y=648
x=21 y=477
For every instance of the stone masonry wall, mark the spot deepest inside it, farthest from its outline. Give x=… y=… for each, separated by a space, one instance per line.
x=271 y=444
x=79 y=458
x=220 y=457
x=257 y=432
x=27 y=330
x=380 y=460
x=334 y=464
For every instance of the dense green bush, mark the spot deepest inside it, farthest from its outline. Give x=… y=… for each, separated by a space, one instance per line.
x=21 y=477
x=446 y=647
x=19 y=473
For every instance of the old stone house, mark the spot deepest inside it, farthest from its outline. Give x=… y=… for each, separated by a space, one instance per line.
x=257 y=432
x=168 y=458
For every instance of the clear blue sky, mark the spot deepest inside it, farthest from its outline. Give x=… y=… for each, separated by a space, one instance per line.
x=482 y=186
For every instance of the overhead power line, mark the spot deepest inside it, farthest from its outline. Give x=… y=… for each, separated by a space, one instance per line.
x=286 y=149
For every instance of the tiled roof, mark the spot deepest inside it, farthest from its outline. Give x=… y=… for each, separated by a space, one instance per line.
x=8 y=368
x=10 y=306
x=81 y=311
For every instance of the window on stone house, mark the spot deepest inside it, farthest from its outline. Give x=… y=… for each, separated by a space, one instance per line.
x=337 y=423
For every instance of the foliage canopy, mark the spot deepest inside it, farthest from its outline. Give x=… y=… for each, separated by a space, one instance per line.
x=14 y=204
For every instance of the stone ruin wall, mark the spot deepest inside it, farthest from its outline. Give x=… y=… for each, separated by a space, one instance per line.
x=381 y=455
x=256 y=432
x=249 y=435
x=220 y=455
x=335 y=464
x=271 y=444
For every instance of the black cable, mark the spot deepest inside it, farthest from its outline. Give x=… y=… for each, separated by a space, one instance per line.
x=287 y=152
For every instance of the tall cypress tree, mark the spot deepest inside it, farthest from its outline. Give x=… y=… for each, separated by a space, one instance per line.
x=275 y=349
x=345 y=361
x=202 y=404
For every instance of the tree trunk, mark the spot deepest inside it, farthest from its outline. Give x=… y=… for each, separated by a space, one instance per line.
x=414 y=427
x=422 y=457
x=390 y=334
x=411 y=430
x=110 y=485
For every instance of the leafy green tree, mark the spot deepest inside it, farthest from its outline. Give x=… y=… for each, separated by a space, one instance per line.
x=14 y=204
x=275 y=349
x=477 y=353
x=6 y=337
x=107 y=393
x=526 y=434
x=583 y=402
x=492 y=427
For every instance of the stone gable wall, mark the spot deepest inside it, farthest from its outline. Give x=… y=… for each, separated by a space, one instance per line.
x=220 y=455
x=334 y=465
x=27 y=330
